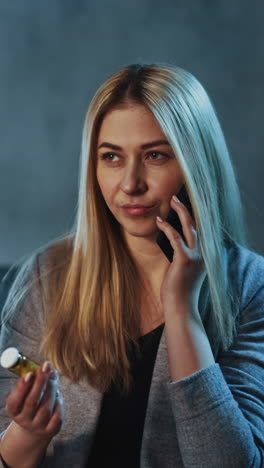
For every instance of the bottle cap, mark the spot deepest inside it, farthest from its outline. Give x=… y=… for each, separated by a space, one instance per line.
x=9 y=357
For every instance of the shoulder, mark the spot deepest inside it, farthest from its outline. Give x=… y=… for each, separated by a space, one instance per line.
x=33 y=279
x=46 y=260
x=51 y=265
x=243 y=259
x=54 y=257
x=245 y=271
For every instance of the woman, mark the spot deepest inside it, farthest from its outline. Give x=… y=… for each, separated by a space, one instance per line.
x=160 y=363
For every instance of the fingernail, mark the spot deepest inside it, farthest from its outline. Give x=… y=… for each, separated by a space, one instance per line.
x=176 y=199
x=159 y=219
x=28 y=377
x=46 y=367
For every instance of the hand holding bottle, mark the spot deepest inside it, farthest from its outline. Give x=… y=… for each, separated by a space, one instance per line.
x=35 y=406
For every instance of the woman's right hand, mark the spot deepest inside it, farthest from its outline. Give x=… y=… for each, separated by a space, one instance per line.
x=36 y=405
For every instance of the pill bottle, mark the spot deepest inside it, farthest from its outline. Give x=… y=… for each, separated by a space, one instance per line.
x=16 y=362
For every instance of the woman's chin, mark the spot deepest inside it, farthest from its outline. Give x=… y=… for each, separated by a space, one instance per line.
x=150 y=234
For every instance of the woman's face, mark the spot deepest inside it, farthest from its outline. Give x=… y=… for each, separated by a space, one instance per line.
x=136 y=169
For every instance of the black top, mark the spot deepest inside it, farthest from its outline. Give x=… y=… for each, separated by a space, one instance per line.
x=119 y=431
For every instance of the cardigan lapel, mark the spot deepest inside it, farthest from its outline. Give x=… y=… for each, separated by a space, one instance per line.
x=159 y=442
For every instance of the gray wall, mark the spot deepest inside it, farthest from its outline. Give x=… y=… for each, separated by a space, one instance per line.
x=55 y=53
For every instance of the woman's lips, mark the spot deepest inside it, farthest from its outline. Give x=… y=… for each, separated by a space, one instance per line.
x=136 y=209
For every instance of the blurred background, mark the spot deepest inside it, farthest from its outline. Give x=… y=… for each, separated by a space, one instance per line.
x=54 y=55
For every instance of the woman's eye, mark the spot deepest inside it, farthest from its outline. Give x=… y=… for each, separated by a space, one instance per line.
x=155 y=155
x=110 y=157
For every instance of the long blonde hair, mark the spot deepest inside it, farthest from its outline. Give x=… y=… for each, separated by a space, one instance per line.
x=94 y=316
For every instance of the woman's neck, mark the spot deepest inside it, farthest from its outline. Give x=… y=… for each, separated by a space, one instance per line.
x=148 y=256
x=152 y=265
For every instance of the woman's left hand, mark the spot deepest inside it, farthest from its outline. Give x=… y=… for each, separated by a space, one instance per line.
x=183 y=279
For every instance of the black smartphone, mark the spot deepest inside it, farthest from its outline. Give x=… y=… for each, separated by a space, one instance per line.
x=174 y=220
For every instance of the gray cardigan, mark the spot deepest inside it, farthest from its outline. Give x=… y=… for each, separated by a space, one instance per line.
x=213 y=418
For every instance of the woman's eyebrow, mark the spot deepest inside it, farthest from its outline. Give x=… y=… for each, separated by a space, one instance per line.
x=145 y=146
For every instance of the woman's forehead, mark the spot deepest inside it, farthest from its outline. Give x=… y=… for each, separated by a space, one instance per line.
x=129 y=122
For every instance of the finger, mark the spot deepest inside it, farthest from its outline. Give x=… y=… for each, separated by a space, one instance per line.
x=187 y=222
x=15 y=400
x=51 y=390
x=49 y=395
x=188 y=214
x=48 y=401
x=57 y=418
x=32 y=400
x=173 y=236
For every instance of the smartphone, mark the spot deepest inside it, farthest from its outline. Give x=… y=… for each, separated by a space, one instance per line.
x=174 y=220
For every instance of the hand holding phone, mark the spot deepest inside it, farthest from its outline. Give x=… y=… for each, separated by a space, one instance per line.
x=175 y=222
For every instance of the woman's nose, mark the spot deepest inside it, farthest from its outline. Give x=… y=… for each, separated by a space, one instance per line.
x=133 y=179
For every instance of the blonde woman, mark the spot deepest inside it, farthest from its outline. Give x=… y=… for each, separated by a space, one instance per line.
x=160 y=363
